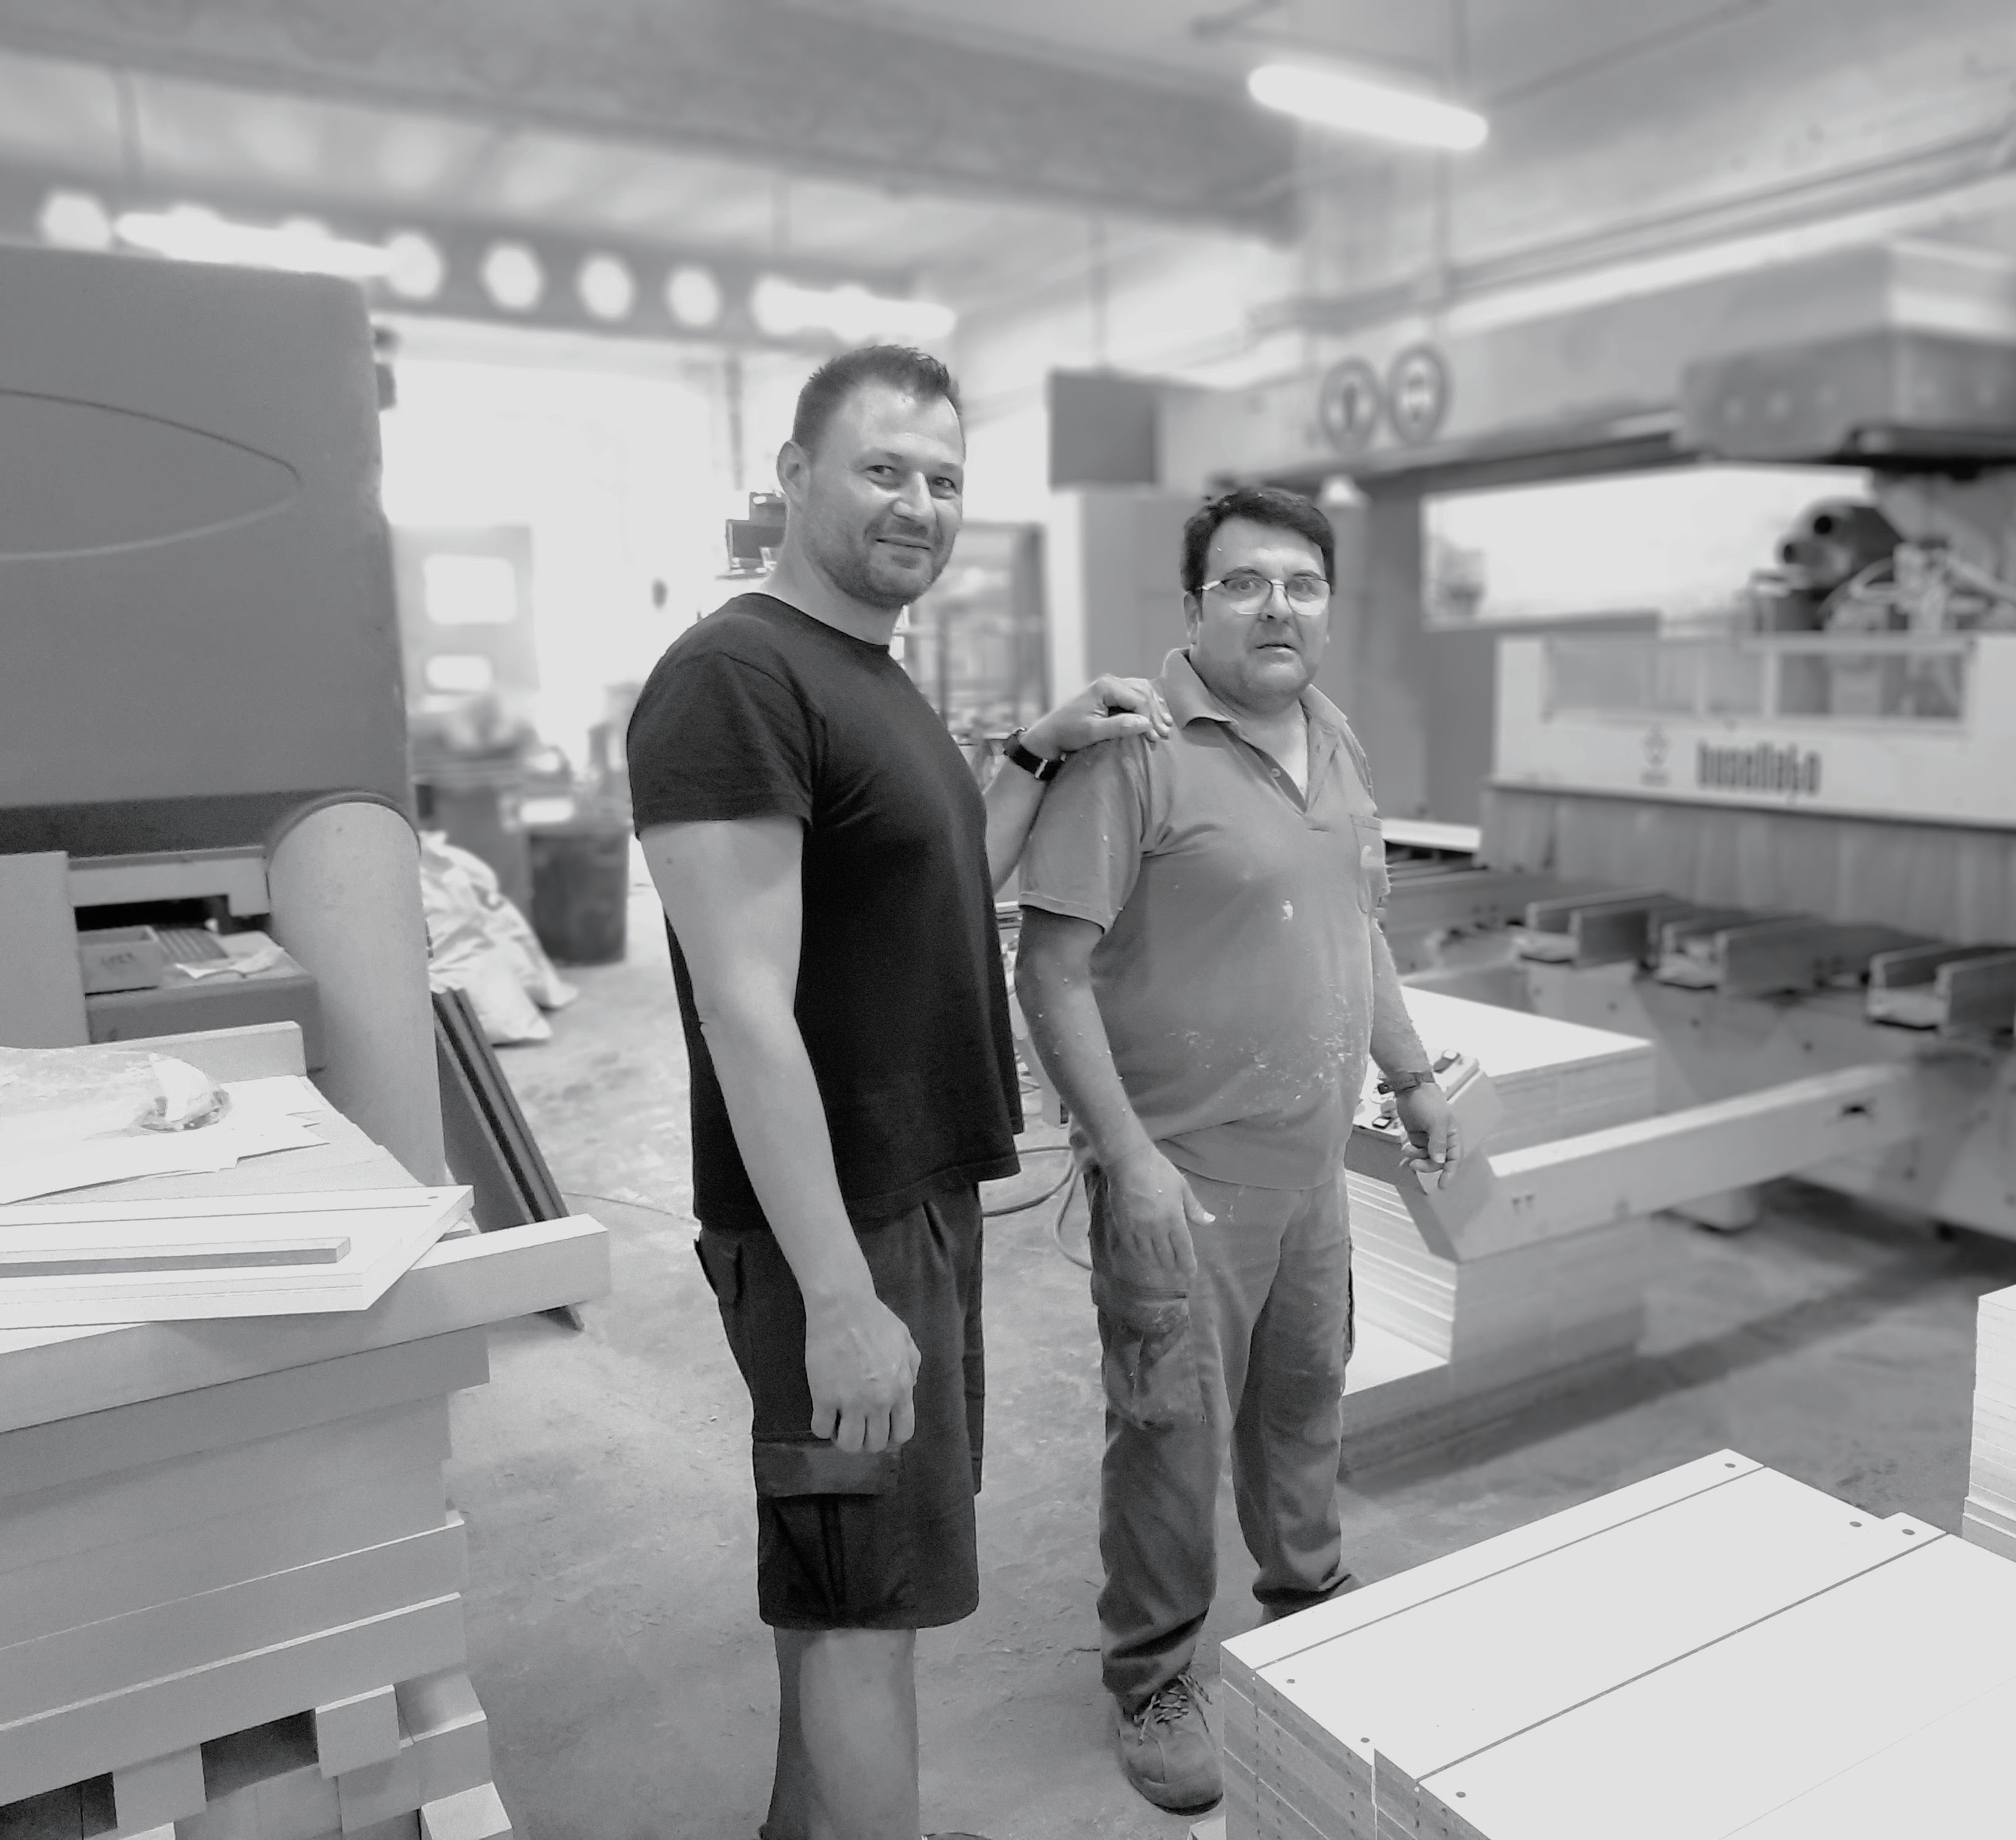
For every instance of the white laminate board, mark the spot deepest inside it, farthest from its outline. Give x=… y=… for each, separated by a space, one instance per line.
x=1467 y=1671
x=1723 y=1736
x=72 y=1742
x=400 y=1827
x=110 y=1162
x=1276 y=1642
x=1294 y=1775
x=100 y=1659
x=345 y=1159
x=297 y=1803
x=445 y=1749
x=1955 y=1776
x=159 y=1792
x=1379 y=1359
x=2002 y=1519
x=92 y=1584
x=152 y=1430
x=1986 y=1534
x=1507 y=1043
x=475 y=1814
x=1994 y=1461
x=1267 y=1815
x=259 y=1050
x=441 y=1752
x=158 y=1499
x=354 y=1732
x=70 y=1263
x=52 y=1374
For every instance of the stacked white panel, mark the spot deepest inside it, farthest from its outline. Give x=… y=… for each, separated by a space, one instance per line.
x=1990 y=1517
x=1714 y=1651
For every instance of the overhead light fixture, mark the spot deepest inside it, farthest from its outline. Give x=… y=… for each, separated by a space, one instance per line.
x=607 y=287
x=75 y=220
x=512 y=278
x=784 y=309
x=693 y=296
x=192 y=233
x=416 y=269
x=1359 y=106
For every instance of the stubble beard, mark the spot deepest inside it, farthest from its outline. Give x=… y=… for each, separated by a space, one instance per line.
x=853 y=572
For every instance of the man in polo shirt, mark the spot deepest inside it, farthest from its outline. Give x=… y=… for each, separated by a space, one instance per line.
x=1203 y=973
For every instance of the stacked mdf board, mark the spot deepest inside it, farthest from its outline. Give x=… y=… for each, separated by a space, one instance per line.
x=1990 y=1517
x=1714 y=1650
x=1553 y=1079
x=1543 y=1305
x=230 y=1581
x=1560 y=1300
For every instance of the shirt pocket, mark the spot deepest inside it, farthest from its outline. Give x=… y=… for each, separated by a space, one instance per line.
x=1374 y=882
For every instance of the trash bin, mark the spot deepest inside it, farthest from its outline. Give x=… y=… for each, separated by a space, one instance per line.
x=581 y=890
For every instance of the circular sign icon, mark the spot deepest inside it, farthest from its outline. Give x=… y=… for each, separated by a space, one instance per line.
x=1417 y=393
x=1349 y=406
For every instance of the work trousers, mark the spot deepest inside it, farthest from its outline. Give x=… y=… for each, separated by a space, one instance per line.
x=1249 y=1353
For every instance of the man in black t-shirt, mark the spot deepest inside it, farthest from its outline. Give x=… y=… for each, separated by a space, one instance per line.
x=828 y=867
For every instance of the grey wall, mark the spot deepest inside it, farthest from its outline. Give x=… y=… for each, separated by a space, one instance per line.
x=1132 y=545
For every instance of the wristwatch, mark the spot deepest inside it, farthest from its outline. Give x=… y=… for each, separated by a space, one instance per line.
x=1042 y=770
x=1397 y=1083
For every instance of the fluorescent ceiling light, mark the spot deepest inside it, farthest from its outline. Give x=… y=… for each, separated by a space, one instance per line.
x=782 y=308
x=415 y=269
x=512 y=277
x=190 y=233
x=1357 y=105
x=692 y=296
x=75 y=220
x=607 y=287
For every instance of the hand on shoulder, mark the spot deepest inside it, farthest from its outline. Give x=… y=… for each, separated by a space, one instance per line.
x=1105 y=710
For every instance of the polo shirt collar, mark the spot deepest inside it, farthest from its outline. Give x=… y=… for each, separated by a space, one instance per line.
x=1190 y=698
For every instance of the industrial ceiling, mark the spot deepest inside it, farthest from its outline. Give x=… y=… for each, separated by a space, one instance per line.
x=887 y=137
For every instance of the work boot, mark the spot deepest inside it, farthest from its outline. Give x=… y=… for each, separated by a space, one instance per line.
x=1167 y=1751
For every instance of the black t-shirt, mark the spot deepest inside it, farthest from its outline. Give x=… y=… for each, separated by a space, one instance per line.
x=760 y=710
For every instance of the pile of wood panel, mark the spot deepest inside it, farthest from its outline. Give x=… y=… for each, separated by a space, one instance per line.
x=1715 y=1650
x=1558 y=1299
x=230 y=1580
x=1989 y=1517
x=1552 y=1079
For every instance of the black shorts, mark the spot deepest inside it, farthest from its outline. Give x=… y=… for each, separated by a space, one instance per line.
x=863 y=1539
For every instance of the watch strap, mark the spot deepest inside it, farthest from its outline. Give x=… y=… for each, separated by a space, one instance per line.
x=1042 y=770
x=1406 y=1081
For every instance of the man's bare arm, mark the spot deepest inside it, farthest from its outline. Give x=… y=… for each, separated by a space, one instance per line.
x=1154 y=1208
x=1396 y=1047
x=732 y=891
x=1108 y=708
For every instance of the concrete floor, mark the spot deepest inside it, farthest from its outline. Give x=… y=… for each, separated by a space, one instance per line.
x=605 y=1475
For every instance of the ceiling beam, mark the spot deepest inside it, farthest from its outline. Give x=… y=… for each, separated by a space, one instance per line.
x=803 y=90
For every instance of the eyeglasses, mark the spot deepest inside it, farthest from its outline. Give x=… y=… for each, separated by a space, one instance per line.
x=1246 y=591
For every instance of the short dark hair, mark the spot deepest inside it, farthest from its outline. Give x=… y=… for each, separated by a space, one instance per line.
x=917 y=373
x=1257 y=504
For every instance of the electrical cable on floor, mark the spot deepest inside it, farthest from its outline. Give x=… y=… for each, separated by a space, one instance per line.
x=581 y=1194
x=1036 y=1200
x=1059 y=1188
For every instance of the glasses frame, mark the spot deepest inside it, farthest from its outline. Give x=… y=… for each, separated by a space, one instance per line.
x=1274 y=582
